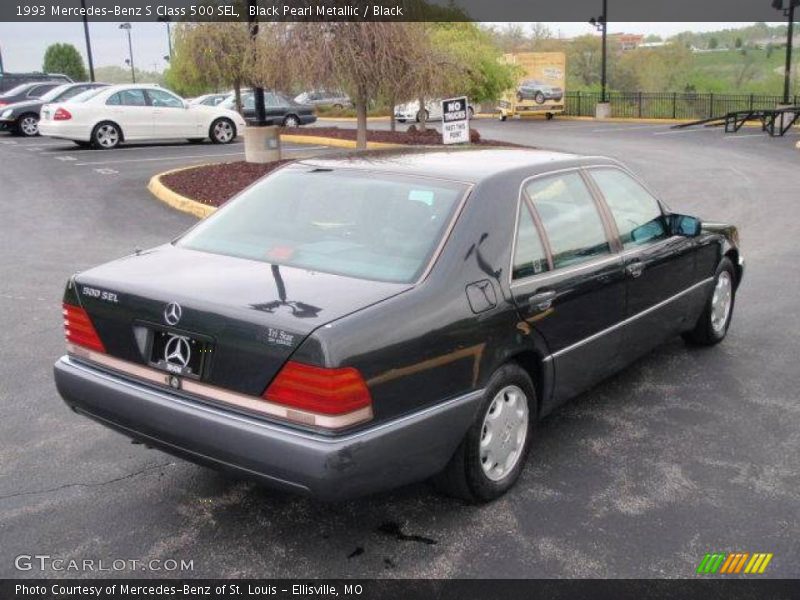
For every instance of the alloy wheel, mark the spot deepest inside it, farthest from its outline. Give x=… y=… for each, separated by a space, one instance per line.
x=223 y=132
x=107 y=136
x=29 y=126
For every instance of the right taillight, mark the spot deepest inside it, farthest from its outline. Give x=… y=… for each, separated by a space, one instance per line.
x=62 y=114
x=320 y=390
x=79 y=330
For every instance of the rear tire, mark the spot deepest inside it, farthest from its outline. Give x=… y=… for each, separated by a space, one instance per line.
x=106 y=135
x=492 y=454
x=539 y=98
x=712 y=326
x=291 y=121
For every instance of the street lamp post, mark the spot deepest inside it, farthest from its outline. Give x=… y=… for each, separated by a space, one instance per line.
x=166 y=21
x=88 y=42
x=601 y=24
x=127 y=28
x=788 y=12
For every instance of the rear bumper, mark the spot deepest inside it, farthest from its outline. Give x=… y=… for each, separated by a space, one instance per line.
x=64 y=130
x=328 y=467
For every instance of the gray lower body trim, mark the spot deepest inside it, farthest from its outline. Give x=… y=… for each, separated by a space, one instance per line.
x=407 y=449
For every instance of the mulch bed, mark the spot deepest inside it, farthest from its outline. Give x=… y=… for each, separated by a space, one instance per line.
x=412 y=137
x=215 y=184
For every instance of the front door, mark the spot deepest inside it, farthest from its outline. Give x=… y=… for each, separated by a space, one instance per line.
x=659 y=267
x=568 y=281
x=132 y=112
x=171 y=118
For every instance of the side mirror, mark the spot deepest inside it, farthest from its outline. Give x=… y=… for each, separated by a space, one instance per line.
x=684 y=225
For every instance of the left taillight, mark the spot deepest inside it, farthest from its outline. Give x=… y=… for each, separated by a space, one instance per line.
x=338 y=397
x=62 y=114
x=79 y=330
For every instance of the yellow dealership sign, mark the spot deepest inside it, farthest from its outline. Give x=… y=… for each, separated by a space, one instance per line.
x=541 y=84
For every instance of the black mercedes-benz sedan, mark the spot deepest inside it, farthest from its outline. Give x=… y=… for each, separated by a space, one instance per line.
x=351 y=324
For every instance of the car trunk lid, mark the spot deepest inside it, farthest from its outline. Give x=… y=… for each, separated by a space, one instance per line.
x=245 y=317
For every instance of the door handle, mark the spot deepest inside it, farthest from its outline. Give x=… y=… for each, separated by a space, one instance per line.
x=635 y=268
x=542 y=301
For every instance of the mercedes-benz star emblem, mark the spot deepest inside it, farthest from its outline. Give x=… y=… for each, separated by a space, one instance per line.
x=177 y=351
x=172 y=313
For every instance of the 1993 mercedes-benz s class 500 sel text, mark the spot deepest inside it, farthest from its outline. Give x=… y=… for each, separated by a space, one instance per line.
x=351 y=324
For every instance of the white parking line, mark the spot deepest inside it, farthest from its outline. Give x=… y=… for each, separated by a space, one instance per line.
x=739 y=136
x=629 y=128
x=683 y=131
x=132 y=160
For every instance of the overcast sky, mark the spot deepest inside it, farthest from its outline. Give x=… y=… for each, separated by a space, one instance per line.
x=23 y=44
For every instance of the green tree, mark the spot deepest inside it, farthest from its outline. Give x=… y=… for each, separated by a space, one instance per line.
x=713 y=43
x=64 y=58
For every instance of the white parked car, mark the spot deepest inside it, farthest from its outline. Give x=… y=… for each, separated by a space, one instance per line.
x=410 y=111
x=119 y=113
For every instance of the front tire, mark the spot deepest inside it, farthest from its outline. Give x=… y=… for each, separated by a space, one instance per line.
x=222 y=131
x=539 y=98
x=712 y=326
x=291 y=121
x=28 y=125
x=106 y=135
x=492 y=454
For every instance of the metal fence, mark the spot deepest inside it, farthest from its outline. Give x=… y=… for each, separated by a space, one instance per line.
x=669 y=105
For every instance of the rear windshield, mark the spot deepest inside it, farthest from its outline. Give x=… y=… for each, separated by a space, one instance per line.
x=86 y=95
x=357 y=224
x=17 y=90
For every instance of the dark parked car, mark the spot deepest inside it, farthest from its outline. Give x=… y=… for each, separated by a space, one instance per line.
x=279 y=109
x=11 y=80
x=27 y=91
x=539 y=91
x=22 y=118
x=352 y=324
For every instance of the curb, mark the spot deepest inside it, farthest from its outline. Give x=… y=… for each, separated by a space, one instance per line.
x=174 y=199
x=201 y=211
x=333 y=142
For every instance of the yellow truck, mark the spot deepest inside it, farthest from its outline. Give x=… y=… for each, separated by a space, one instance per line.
x=540 y=87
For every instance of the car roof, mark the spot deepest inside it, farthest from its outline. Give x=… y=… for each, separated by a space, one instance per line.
x=460 y=164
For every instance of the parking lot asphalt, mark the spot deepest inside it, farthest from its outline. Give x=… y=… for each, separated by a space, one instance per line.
x=686 y=452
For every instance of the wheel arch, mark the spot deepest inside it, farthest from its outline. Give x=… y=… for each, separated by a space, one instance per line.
x=732 y=254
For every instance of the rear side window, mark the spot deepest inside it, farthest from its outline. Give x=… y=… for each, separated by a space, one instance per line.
x=570 y=218
x=357 y=224
x=529 y=255
x=637 y=214
x=128 y=98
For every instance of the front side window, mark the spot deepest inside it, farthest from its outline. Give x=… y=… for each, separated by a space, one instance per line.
x=637 y=214
x=570 y=219
x=357 y=224
x=164 y=99
x=529 y=255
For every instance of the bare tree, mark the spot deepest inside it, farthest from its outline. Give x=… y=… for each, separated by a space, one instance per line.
x=365 y=60
x=211 y=56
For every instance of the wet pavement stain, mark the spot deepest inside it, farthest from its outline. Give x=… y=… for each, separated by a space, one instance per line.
x=393 y=529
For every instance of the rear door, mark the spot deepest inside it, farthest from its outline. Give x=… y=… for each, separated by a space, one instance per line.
x=567 y=279
x=659 y=267
x=131 y=110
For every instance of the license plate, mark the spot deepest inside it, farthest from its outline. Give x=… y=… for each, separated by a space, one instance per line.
x=179 y=353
